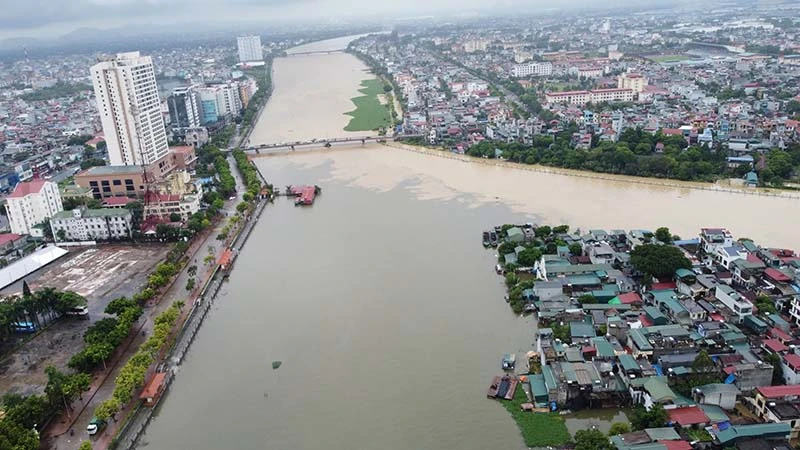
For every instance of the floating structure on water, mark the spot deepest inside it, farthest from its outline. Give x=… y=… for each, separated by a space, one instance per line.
x=503 y=387
x=304 y=195
x=509 y=361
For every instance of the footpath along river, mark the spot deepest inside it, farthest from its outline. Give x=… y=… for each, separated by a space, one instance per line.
x=379 y=299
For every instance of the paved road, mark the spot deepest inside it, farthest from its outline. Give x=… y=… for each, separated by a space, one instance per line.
x=209 y=245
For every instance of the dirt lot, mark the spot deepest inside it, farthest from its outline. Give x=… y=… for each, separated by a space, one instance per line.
x=100 y=274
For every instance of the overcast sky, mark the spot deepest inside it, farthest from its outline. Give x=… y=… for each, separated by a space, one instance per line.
x=49 y=18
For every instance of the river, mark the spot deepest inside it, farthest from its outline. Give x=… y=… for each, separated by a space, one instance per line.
x=379 y=299
x=384 y=310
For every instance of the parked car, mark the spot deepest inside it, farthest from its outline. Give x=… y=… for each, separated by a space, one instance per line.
x=24 y=327
x=79 y=311
x=95 y=426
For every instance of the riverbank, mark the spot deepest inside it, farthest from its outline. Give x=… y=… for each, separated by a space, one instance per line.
x=717 y=187
x=141 y=416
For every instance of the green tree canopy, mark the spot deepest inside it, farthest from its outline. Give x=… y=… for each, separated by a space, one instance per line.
x=659 y=260
x=663 y=235
x=642 y=418
x=592 y=439
x=619 y=428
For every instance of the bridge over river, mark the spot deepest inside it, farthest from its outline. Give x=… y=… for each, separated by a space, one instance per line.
x=321 y=143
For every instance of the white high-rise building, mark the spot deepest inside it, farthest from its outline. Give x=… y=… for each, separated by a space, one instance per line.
x=31 y=203
x=249 y=48
x=130 y=110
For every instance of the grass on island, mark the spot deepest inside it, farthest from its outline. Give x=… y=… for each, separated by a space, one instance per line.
x=538 y=429
x=669 y=58
x=369 y=114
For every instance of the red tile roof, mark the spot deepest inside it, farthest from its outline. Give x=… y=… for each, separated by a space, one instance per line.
x=663 y=286
x=151 y=390
x=779 y=391
x=777 y=275
x=779 y=334
x=5 y=238
x=775 y=345
x=27 y=187
x=676 y=445
x=630 y=298
x=793 y=361
x=116 y=201
x=688 y=416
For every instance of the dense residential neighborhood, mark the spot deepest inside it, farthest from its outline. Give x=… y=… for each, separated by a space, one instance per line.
x=730 y=88
x=703 y=329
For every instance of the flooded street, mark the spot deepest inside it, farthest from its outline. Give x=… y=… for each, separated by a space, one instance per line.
x=379 y=299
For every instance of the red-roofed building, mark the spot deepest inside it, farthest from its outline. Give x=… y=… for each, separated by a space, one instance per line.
x=774 y=345
x=776 y=275
x=30 y=204
x=676 y=445
x=630 y=298
x=780 y=335
x=779 y=392
x=11 y=241
x=152 y=392
x=663 y=286
x=685 y=417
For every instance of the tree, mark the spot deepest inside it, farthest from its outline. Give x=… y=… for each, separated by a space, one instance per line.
x=26 y=290
x=543 y=231
x=85 y=445
x=765 y=305
x=575 y=249
x=587 y=299
x=529 y=257
x=118 y=305
x=561 y=229
x=619 y=428
x=174 y=217
x=777 y=370
x=663 y=235
x=592 y=439
x=190 y=284
x=658 y=260
x=107 y=409
x=654 y=418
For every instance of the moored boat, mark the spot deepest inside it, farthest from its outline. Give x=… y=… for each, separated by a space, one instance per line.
x=509 y=361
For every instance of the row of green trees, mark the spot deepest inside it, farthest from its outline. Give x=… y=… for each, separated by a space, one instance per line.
x=132 y=374
x=38 y=308
x=58 y=90
x=263 y=77
x=105 y=335
x=249 y=173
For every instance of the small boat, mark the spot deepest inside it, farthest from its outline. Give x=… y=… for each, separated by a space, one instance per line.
x=493 y=238
x=499 y=269
x=509 y=361
x=276 y=364
x=492 y=392
x=486 y=240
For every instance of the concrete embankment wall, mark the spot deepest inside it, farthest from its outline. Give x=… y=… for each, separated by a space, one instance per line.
x=139 y=419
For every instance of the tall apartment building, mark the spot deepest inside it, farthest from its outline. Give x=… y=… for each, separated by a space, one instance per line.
x=218 y=101
x=130 y=110
x=31 y=203
x=184 y=109
x=249 y=48
x=207 y=97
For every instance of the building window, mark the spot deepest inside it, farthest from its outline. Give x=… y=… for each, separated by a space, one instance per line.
x=104 y=183
x=117 y=182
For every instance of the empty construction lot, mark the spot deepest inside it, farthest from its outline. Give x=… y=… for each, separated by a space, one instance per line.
x=100 y=274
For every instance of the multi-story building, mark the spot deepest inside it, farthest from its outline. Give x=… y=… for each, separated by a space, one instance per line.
x=633 y=81
x=130 y=109
x=163 y=205
x=739 y=306
x=83 y=224
x=779 y=404
x=184 y=110
x=539 y=69
x=31 y=203
x=249 y=48
x=584 y=97
x=476 y=45
x=208 y=104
